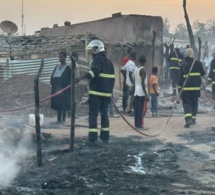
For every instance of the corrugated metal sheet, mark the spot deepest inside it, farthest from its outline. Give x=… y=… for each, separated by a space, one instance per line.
x=31 y=67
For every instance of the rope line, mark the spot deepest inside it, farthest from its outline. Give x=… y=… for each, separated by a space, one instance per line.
x=42 y=100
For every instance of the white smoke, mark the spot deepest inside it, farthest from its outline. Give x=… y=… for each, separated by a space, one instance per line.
x=9 y=169
x=13 y=150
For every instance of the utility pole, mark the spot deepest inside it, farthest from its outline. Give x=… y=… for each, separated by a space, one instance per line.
x=22 y=16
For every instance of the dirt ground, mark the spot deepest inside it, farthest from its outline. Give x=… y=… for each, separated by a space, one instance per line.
x=177 y=161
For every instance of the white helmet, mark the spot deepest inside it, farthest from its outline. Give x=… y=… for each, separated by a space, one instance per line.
x=177 y=45
x=96 y=46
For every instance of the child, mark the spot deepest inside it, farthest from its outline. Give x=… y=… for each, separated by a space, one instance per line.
x=153 y=91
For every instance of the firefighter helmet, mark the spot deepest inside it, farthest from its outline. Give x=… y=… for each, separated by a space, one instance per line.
x=96 y=46
x=177 y=46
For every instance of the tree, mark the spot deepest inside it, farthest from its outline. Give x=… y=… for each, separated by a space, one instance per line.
x=166 y=27
x=211 y=27
x=189 y=29
x=181 y=31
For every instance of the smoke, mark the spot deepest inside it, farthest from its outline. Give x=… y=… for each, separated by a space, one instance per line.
x=9 y=169
x=13 y=150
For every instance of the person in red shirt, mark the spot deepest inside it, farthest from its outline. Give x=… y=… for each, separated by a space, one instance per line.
x=124 y=86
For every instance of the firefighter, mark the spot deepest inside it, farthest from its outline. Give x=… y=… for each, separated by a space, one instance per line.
x=175 y=59
x=191 y=89
x=211 y=76
x=101 y=82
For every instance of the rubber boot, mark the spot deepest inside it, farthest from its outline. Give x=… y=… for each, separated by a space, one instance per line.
x=188 y=122
x=93 y=136
x=104 y=136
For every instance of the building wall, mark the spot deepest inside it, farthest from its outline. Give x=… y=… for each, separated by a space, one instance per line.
x=122 y=29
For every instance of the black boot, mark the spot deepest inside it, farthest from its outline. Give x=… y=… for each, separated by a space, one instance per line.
x=93 y=136
x=104 y=136
x=188 y=123
x=193 y=121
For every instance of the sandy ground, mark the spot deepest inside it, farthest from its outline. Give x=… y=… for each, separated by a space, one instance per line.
x=179 y=160
x=119 y=128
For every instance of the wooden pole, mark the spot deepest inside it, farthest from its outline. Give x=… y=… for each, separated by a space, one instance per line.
x=153 y=48
x=200 y=48
x=8 y=68
x=189 y=30
x=73 y=104
x=86 y=52
x=37 y=115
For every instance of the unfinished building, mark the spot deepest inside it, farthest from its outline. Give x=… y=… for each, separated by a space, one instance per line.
x=143 y=33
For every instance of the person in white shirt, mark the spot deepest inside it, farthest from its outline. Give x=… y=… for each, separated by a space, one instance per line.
x=128 y=70
x=140 y=93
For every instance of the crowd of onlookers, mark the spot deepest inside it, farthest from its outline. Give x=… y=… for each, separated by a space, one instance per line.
x=140 y=87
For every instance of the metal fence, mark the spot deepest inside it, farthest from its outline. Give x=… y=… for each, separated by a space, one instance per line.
x=10 y=68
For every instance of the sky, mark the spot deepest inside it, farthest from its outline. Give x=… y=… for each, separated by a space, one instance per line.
x=46 y=13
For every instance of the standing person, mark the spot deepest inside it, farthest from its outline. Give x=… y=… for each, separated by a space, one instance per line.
x=124 y=86
x=211 y=76
x=101 y=77
x=140 y=93
x=61 y=78
x=175 y=59
x=128 y=69
x=191 y=90
x=153 y=91
x=205 y=51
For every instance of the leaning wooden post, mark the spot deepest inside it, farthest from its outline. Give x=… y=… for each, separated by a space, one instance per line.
x=73 y=104
x=153 y=48
x=189 y=29
x=37 y=115
x=200 y=48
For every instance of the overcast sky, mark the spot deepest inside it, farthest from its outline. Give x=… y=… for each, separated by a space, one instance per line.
x=45 y=13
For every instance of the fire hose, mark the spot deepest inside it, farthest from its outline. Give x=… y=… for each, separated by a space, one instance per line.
x=170 y=115
x=122 y=116
x=42 y=100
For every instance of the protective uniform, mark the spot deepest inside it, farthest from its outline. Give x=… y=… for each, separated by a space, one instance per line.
x=102 y=78
x=175 y=59
x=211 y=76
x=191 y=89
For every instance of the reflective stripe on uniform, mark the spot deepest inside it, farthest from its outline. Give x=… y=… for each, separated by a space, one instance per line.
x=112 y=76
x=105 y=129
x=213 y=82
x=192 y=74
x=187 y=115
x=213 y=70
x=100 y=93
x=191 y=89
x=209 y=79
x=194 y=117
x=176 y=59
x=174 y=68
x=93 y=130
x=91 y=73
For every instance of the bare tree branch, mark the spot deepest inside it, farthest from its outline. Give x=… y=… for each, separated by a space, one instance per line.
x=189 y=29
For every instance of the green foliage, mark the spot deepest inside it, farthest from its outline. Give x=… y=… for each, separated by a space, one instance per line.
x=166 y=27
x=181 y=31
